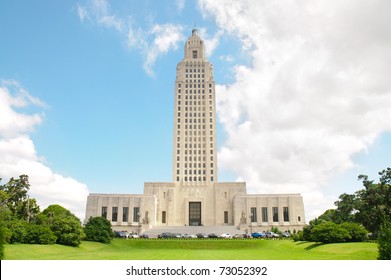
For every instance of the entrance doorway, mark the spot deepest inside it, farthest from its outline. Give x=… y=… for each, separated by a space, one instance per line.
x=194 y=213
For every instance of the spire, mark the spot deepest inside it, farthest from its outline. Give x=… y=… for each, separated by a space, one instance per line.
x=194 y=32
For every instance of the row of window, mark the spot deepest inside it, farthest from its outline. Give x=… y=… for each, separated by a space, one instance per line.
x=125 y=214
x=202 y=108
x=194 y=91
x=195 y=115
x=195 y=76
x=195 y=126
x=190 y=158
x=194 y=152
x=195 y=145
x=203 y=85
x=203 y=171
x=265 y=216
x=195 y=102
x=194 y=139
x=194 y=179
x=190 y=70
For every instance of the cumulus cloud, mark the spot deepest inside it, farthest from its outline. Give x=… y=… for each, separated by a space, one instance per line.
x=152 y=42
x=166 y=37
x=19 y=156
x=316 y=93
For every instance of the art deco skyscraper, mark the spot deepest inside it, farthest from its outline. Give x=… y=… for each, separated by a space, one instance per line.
x=194 y=151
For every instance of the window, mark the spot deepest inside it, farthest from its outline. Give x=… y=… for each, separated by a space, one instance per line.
x=275 y=214
x=253 y=214
x=194 y=54
x=298 y=218
x=136 y=213
x=286 y=214
x=225 y=217
x=125 y=214
x=264 y=215
x=164 y=217
x=104 y=212
x=114 y=214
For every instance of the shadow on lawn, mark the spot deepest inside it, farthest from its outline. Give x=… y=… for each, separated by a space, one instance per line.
x=310 y=247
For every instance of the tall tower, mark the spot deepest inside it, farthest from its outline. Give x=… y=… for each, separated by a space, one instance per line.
x=194 y=151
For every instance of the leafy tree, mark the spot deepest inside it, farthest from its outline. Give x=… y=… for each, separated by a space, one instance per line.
x=384 y=242
x=66 y=226
x=2 y=231
x=346 y=208
x=374 y=202
x=98 y=229
x=13 y=195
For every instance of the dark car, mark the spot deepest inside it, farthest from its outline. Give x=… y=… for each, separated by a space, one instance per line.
x=120 y=234
x=201 y=235
x=169 y=235
x=212 y=235
x=144 y=236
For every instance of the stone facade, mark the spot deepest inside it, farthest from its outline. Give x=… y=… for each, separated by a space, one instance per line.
x=195 y=197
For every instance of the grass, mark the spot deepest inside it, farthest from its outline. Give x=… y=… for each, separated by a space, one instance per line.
x=122 y=249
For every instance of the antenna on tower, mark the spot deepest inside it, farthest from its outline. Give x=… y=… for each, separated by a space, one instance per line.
x=195 y=31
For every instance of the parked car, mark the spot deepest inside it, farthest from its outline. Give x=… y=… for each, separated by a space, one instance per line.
x=212 y=235
x=225 y=235
x=286 y=234
x=238 y=236
x=121 y=234
x=202 y=235
x=144 y=236
x=188 y=235
x=270 y=234
x=166 y=235
x=258 y=235
x=134 y=235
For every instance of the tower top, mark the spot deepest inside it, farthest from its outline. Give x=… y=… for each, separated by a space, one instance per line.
x=194 y=46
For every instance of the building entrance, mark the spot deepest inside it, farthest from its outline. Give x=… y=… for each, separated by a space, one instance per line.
x=194 y=213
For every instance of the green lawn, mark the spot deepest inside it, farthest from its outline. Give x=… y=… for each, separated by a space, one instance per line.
x=122 y=249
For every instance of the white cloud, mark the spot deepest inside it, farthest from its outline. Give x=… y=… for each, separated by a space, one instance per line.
x=152 y=42
x=211 y=43
x=166 y=37
x=18 y=154
x=317 y=91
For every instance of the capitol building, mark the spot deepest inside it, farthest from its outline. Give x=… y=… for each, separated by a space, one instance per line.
x=195 y=197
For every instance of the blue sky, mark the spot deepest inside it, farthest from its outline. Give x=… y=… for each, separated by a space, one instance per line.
x=304 y=94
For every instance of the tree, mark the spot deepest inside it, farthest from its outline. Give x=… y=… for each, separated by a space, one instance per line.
x=13 y=195
x=65 y=225
x=98 y=229
x=346 y=208
x=374 y=202
x=384 y=242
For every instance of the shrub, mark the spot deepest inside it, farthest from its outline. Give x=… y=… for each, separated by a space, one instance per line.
x=328 y=232
x=65 y=225
x=39 y=234
x=384 y=242
x=357 y=232
x=98 y=229
x=298 y=236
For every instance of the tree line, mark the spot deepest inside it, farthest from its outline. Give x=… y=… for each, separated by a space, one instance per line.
x=21 y=220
